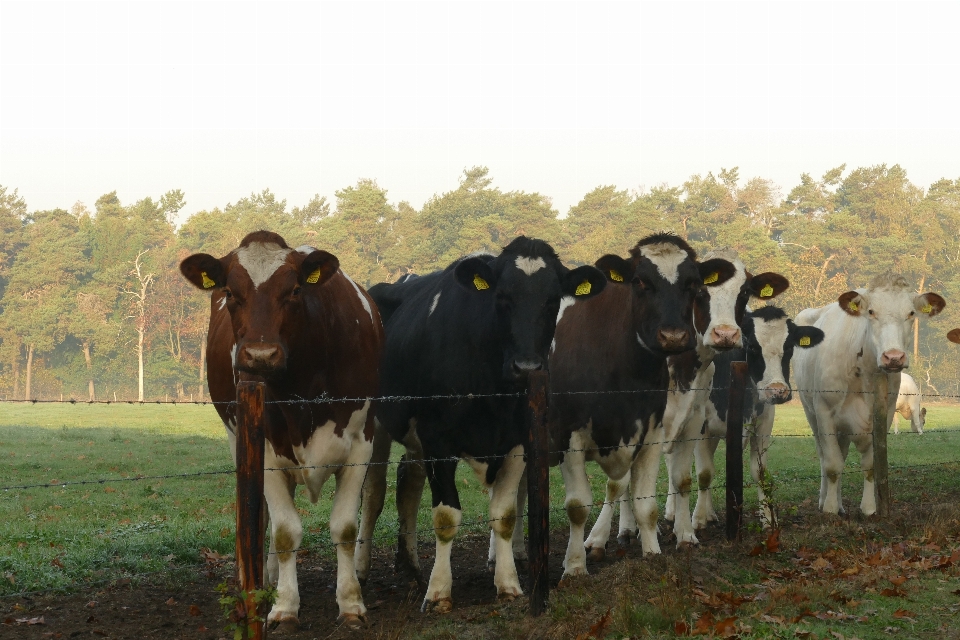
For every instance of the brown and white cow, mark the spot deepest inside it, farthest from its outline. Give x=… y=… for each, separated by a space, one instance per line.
x=292 y=319
x=866 y=336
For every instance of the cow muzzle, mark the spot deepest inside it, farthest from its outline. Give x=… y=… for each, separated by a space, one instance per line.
x=520 y=368
x=893 y=360
x=725 y=337
x=673 y=339
x=777 y=393
x=261 y=358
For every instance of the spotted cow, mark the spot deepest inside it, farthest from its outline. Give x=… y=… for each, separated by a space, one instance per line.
x=477 y=328
x=293 y=320
x=866 y=335
x=609 y=376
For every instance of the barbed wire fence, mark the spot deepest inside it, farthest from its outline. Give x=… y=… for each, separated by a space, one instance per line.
x=250 y=470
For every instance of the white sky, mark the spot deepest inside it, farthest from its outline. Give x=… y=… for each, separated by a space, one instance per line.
x=224 y=98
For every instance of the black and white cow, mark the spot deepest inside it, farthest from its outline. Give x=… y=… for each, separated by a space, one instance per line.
x=770 y=338
x=479 y=327
x=617 y=346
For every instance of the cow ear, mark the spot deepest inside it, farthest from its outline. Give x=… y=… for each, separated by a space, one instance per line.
x=807 y=337
x=318 y=267
x=767 y=285
x=929 y=304
x=852 y=302
x=583 y=282
x=716 y=271
x=204 y=271
x=954 y=336
x=475 y=274
x=615 y=269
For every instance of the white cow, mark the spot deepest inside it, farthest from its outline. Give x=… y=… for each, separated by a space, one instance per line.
x=908 y=405
x=866 y=335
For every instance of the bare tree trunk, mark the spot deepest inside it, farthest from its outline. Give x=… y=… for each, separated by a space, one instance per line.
x=86 y=356
x=916 y=323
x=823 y=275
x=203 y=363
x=140 y=332
x=16 y=374
x=26 y=394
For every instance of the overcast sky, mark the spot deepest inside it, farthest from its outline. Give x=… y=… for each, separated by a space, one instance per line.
x=224 y=98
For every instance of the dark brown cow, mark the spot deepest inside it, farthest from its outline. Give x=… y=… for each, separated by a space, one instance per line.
x=292 y=319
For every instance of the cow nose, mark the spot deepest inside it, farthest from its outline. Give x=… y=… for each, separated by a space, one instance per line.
x=523 y=367
x=779 y=392
x=893 y=359
x=673 y=339
x=725 y=336
x=261 y=355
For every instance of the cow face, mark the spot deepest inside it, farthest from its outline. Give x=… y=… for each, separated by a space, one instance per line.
x=770 y=339
x=264 y=285
x=954 y=336
x=665 y=279
x=890 y=309
x=526 y=285
x=719 y=310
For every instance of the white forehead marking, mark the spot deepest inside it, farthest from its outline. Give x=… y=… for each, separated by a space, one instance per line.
x=530 y=265
x=305 y=249
x=667 y=256
x=363 y=299
x=723 y=297
x=565 y=301
x=433 y=305
x=771 y=335
x=261 y=260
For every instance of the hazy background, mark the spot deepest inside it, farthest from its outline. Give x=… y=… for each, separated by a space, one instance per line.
x=222 y=99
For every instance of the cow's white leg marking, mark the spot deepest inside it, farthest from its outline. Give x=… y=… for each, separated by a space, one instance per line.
x=600 y=533
x=519 y=548
x=411 y=476
x=577 y=503
x=679 y=462
x=760 y=441
x=343 y=526
x=831 y=463
x=704 y=452
x=627 y=529
x=643 y=486
x=446 y=523
x=374 y=493
x=864 y=444
x=503 y=517
x=286 y=535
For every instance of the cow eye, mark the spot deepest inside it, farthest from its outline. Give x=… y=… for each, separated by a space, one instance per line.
x=296 y=290
x=227 y=294
x=641 y=285
x=870 y=311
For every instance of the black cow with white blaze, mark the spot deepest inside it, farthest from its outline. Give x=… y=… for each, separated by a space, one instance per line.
x=478 y=327
x=769 y=338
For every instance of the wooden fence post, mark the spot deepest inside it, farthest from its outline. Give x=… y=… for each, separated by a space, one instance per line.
x=880 y=424
x=737 y=393
x=538 y=492
x=250 y=536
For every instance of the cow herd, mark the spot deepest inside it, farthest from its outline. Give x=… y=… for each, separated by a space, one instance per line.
x=638 y=350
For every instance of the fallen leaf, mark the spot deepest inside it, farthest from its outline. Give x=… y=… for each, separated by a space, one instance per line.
x=109 y=490
x=726 y=628
x=903 y=613
x=820 y=564
x=801 y=634
x=171 y=601
x=30 y=621
x=852 y=571
x=57 y=563
x=91 y=604
x=757 y=550
x=596 y=631
x=92 y=619
x=202 y=629
x=704 y=625
x=899 y=580
x=681 y=628
x=773 y=541
x=892 y=593
x=194 y=610
x=837 y=635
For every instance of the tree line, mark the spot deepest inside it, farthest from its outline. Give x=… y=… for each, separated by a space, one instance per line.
x=92 y=305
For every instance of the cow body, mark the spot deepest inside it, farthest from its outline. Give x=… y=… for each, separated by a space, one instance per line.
x=770 y=339
x=478 y=327
x=293 y=320
x=908 y=405
x=718 y=312
x=866 y=335
x=617 y=348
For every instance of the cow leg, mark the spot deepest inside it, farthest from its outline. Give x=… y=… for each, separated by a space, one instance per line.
x=759 y=445
x=643 y=489
x=896 y=424
x=519 y=548
x=868 y=503
x=272 y=565
x=411 y=476
x=446 y=522
x=503 y=521
x=374 y=493
x=704 y=452
x=628 y=524
x=578 y=501
x=831 y=470
x=600 y=533
x=343 y=531
x=679 y=463
x=285 y=538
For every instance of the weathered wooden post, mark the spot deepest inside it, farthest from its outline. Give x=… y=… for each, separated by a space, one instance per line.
x=737 y=393
x=250 y=536
x=880 y=424
x=538 y=492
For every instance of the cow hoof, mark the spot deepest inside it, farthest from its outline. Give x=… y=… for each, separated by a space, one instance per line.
x=509 y=596
x=596 y=554
x=684 y=545
x=491 y=566
x=351 y=621
x=625 y=539
x=284 y=623
x=443 y=605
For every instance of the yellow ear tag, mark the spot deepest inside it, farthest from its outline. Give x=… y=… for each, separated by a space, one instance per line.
x=766 y=292
x=805 y=341
x=615 y=276
x=207 y=282
x=584 y=288
x=853 y=306
x=314 y=277
x=927 y=308
x=710 y=279
x=480 y=283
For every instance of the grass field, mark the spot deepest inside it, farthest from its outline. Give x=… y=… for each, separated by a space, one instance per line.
x=63 y=537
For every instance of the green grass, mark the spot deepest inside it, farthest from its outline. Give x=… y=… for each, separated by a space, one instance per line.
x=62 y=537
